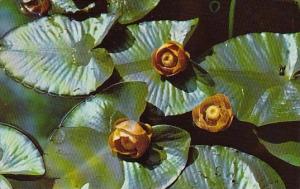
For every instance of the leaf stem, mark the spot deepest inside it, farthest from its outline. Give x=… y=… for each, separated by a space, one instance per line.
x=231 y=18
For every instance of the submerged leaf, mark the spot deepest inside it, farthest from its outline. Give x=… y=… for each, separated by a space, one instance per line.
x=221 y=167
x=76 y=156
x=11 y=16
x=131 y=10
x=58 y=55
x=19 y=156
x=175 y=95
x=251 y=70
x=286 y=151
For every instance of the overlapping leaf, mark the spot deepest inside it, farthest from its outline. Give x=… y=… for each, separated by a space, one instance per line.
x=221 y=167
x=259 y=72
x=58 y=55
x=131 y=10
x=172 y=96
x=19 y=156
x=92 y=122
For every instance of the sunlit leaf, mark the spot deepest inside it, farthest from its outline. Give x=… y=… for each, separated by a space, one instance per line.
x=58 y=55
x=259 y=72
x=172 y=96
x=19 y=156
x=221 y=167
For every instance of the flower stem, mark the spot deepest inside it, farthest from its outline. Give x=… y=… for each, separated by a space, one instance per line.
x=231 y=18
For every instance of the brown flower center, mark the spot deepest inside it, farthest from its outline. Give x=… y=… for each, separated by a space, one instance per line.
x=167 y=59
x=213 y=112
x=127 y=143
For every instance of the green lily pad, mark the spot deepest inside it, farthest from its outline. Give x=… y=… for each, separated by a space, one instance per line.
x=131 y=10
x=19 y=156
x=64 y=6
x=221 y=167
x=287 y=151
x=11 y=16
x=58 y=55
x=102 y=110
x=172 y=96
x=4 y=184
x=259 y=73
x=166 y=156
x=74 y=162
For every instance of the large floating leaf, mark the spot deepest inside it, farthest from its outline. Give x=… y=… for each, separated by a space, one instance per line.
x=131 y=10
x=36 y=114
x=259 y=72
x=58 y=55
x=11 y=16
x=102 y=110
x=172 y=96
x=287 y=151
x=4 y=184
x=76 y=156
x=19 y=156
x=167 y=154
x=221 y=167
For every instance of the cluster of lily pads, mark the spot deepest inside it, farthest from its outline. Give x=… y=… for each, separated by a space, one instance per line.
x=101 y=142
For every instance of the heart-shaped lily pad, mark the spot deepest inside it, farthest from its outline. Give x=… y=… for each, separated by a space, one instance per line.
x=18 y=155
x=92 y=120
x=172 y=96
x=131 y=10
x=221 y=167
x=260 y=75
x=58 y=55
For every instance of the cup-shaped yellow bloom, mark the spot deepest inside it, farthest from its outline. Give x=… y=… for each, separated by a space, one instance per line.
x=130 y=138
x=170 y=59
x=214 y=114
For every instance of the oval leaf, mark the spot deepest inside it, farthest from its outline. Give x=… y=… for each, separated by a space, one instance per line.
x=102 y=110
x=257 y=72
x=4 y=184
x=222 y=167
x=57 y=55
x=171 y=96
x=19 y=156
x=286 y=151
x=74 y=162
x=164 y=161
x=131 y=10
